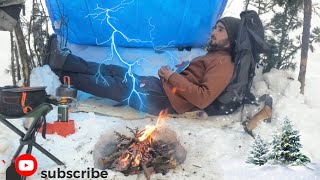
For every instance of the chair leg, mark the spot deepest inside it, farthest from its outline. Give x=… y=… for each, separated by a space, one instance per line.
x=15 y=156
x=48 y=154
x=29 y=149
x=11 y=173
x=25 y=141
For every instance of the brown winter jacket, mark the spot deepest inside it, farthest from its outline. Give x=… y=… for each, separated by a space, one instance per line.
x=201 y=83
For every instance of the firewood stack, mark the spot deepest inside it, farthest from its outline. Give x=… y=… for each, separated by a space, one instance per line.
x=144 y=151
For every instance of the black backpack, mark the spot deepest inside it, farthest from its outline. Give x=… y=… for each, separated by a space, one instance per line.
x=250 y=43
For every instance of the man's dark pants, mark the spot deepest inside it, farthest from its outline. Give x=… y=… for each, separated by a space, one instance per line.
x=108 y=81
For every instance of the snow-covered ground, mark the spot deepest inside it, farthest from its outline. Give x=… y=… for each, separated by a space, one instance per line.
x=217 y=147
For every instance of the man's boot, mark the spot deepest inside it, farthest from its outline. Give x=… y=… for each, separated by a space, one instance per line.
x=264 y=114
x=57 y=56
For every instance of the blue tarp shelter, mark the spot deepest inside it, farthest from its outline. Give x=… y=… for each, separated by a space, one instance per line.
x=181 y=22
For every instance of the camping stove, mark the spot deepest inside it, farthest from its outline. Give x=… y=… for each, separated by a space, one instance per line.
x=65 y=95
x=63 y=110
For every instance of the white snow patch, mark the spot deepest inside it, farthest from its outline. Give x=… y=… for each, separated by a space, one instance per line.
x=43 y=76
x=277 y=80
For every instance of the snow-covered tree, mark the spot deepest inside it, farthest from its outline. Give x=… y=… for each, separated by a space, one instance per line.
x=286 y=146
x=258 y=152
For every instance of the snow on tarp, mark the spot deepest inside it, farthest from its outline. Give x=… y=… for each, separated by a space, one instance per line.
x=186 y=22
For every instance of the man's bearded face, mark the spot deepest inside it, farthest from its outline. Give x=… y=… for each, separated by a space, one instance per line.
x=219 y=37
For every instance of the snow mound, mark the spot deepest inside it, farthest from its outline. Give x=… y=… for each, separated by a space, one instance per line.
x=43 y=76
x=278 y=80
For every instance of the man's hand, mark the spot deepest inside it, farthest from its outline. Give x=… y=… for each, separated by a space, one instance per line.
x=165 y=72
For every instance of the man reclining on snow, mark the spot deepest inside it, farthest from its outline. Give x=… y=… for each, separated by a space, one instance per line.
x=197 y=87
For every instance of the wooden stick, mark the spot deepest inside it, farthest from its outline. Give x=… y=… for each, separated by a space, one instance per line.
x=133 y=131
x=106 y=161
x=122 y=137
x=145 y=170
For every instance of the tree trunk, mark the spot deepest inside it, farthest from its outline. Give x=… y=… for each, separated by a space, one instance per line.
x=13 y=68
x=30 y=31
x=25 y=58
x=305 y=42
x=17 y=61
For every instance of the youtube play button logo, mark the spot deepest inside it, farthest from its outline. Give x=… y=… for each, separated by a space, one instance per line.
x=26 y=165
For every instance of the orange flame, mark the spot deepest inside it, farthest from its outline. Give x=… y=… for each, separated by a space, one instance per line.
x=124 y=161
x=150 y=129
x=136 y=160
x=126 y=158
x=163 y=114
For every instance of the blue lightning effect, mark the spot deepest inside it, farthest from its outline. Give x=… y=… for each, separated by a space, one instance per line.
x=114 y=51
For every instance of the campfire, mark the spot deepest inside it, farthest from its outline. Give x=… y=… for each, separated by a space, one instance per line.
x=152 y=149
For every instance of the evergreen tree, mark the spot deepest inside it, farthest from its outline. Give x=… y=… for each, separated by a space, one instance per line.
x=286 y=146
x=262 y=6
x=285 y=19
x=258 y=152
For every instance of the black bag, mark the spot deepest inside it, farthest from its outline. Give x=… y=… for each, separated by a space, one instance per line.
x=16 y=102
x=250 y=43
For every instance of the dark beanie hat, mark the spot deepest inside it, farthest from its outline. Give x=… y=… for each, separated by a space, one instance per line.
x=232 y=26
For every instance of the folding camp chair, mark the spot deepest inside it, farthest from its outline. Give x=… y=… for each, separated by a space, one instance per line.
x=29 y=138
